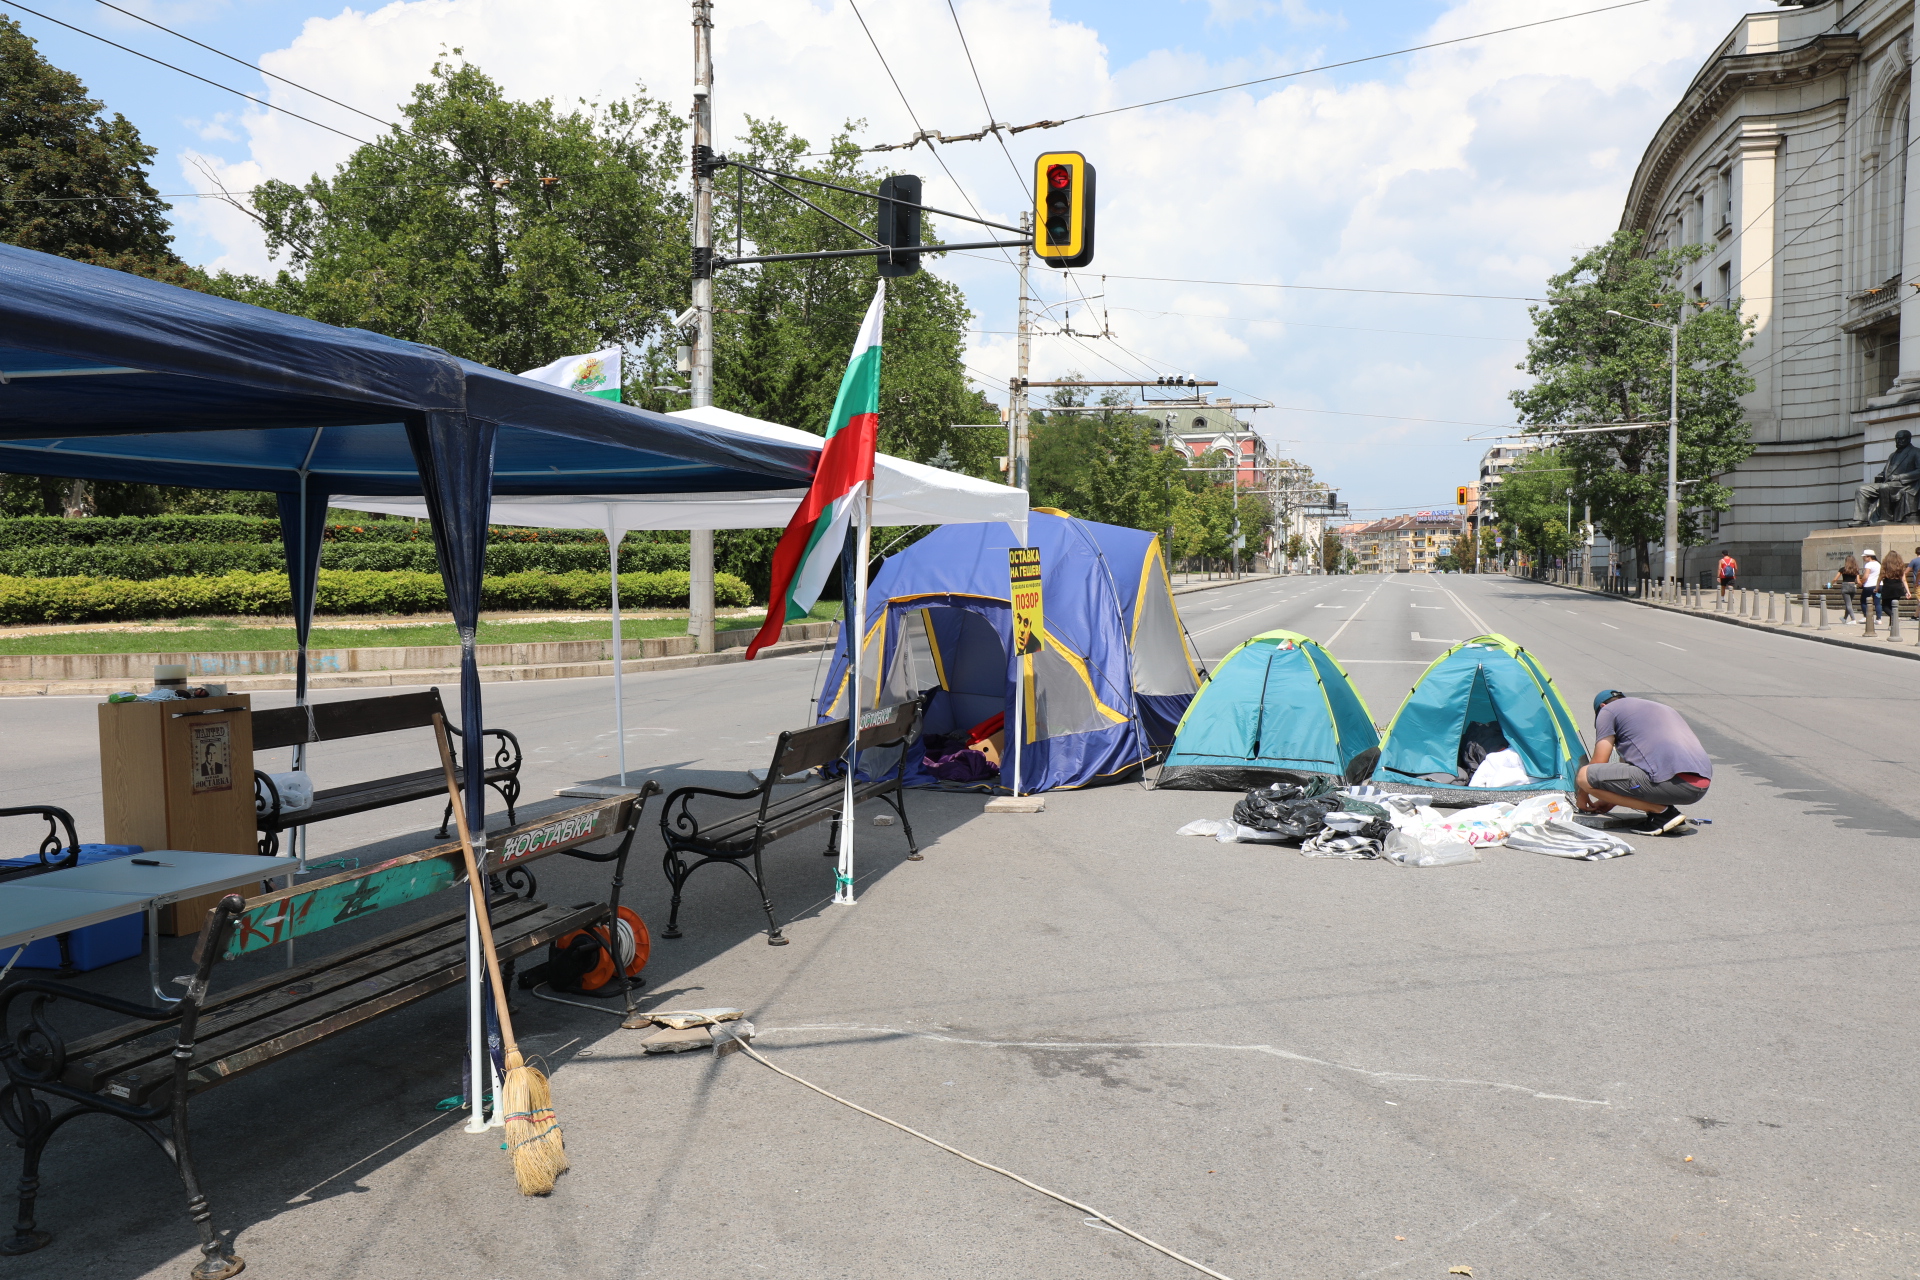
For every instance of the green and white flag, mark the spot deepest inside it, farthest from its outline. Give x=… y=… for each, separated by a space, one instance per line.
x=596 y=374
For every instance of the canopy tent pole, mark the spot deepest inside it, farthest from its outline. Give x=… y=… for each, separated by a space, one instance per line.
x=454 y=454
x=843 y=876
x=619 y=652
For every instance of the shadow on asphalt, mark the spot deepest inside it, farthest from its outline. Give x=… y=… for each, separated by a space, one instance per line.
x=315 y=1125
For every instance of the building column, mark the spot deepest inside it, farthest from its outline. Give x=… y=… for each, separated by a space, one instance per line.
x=1755 y=215
x=1907 y=386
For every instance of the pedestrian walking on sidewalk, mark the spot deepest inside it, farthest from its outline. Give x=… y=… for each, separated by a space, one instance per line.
x=1645 y=758
x=1893 y=583
x=1729 y=575
x=1848 y=580
x=1869 y=585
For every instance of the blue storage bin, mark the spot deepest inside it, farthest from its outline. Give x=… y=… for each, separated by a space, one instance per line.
x=93 y=947
x=97 y=945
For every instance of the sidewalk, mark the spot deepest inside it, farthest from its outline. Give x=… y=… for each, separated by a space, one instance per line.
x=1847 y=635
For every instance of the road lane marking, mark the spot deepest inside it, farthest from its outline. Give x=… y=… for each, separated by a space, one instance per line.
x=1432 y=640
x=1609 y=626
x=1356 y=613
x=1333 y=606
x=1472 y=617
x=1384 y=662
x=1670 y=646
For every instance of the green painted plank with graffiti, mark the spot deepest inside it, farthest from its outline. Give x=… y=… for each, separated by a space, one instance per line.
x=320 y=904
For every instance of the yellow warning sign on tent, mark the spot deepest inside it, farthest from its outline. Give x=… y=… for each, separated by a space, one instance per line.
x=1023 y=567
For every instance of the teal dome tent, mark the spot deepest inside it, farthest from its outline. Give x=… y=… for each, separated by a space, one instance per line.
x=1486 y=681
x=1279 y=708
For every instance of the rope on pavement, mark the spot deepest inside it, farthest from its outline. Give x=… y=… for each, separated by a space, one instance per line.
x=993 y=1168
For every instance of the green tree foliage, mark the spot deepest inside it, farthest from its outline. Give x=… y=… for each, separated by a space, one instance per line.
x=511 y=233
x=75 y=179
x=1530 y=505
x=1108 y=466
x=1591 y=368
x=783 y=330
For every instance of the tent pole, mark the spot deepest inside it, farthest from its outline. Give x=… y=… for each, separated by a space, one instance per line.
x=843 y=875
x=619 y=652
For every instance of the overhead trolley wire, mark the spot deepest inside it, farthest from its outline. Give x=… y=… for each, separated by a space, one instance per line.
x=996 y=128
x=1018 y=176
x=249 y=65
x=259 y=102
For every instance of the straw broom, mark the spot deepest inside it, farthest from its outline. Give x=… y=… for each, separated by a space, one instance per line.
x=533 y=1131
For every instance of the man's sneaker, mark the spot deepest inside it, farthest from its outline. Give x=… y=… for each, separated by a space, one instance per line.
x=1659 y=824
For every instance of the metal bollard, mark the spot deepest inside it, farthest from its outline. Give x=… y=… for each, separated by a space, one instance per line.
x=1866 y=613
x=1770 y=596
x=1823 y=611
x=1893 y=623
x=1803 y=608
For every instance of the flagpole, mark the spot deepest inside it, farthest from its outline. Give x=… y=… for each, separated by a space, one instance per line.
x=843 y=875
x=619 y=651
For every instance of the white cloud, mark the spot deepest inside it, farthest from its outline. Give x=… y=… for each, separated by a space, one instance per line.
x=1479 y=168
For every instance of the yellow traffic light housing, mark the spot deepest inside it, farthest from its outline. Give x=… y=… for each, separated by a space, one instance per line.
x=1461 y=492
x=1063 y=209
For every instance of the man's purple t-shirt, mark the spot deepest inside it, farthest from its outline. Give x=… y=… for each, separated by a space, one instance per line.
x=1652 y=736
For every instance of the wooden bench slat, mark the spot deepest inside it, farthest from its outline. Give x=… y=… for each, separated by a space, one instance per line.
x=332 y=721
x=425 y=965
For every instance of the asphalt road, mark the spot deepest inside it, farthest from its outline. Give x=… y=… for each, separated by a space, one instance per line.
x=1695 y=1061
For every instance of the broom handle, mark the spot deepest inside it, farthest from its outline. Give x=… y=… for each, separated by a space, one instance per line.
x=473 y=879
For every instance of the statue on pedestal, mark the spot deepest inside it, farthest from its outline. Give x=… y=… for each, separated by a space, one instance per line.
x=1893 y=497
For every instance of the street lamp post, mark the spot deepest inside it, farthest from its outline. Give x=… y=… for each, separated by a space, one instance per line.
x=1672 y=568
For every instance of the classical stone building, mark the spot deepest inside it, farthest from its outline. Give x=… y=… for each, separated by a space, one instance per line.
x=1787 y=158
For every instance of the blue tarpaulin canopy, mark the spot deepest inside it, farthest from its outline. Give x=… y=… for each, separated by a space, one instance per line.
x=110 y=376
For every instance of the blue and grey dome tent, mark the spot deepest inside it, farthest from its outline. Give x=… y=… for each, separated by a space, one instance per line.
x=1102 y=696
x=1280 y=708
x=1486 y=680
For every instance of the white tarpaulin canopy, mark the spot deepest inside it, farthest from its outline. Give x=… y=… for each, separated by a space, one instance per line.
x=904 y=493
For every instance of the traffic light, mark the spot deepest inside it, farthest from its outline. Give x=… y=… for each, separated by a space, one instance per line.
x=1063 y=209
x=899 y=223
x=1460 y=495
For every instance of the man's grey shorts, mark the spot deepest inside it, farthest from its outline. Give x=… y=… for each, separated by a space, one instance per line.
x=1623 y=779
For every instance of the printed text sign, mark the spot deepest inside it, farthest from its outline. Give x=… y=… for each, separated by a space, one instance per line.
x=1023 y=567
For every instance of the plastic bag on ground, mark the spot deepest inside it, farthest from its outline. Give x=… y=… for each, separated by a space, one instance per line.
x=295 y=788
x=1234 y=833
x=1540 y=809
x=1202 y=827
x=1500 y=769
x=1483 y=824
x=1336 y=844
x=1435 y=849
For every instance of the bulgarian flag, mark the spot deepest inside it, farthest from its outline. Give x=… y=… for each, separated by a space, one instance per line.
x=596 y=374
x=815 y=536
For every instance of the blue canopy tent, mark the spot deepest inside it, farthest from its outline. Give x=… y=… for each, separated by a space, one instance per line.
x=109 y=376
x=1102 y=695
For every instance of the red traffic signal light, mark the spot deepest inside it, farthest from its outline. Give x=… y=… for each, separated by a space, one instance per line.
x=1063 y=213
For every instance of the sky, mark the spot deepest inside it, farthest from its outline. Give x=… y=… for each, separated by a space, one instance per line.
x=1479 y=168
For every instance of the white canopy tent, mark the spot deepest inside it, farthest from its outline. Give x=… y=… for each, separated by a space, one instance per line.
x=904 y=493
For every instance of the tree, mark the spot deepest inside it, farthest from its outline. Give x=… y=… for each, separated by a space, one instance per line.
x=75 y=179
x=510 y=233
x=1530 y=505
x=1591 y=369
x=1107 y=466
x=783 y=329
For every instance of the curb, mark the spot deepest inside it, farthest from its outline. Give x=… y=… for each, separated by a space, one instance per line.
x=1908 y=650
x=1192 y=587
x=406 y=677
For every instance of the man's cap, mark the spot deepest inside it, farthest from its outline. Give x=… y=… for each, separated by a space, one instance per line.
x=1605 y=696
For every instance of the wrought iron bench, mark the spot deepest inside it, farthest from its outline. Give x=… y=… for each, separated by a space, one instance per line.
x=333 y=721
x=146 y=1071
x=741 y=837
x=53 y=855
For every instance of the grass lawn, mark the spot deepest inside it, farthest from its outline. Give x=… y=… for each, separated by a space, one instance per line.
x=233 y=637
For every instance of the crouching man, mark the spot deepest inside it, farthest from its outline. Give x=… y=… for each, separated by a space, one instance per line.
x=1646 y=758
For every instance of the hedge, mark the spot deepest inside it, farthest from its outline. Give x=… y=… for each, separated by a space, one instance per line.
x=142 y=562
x=80 y=599
x=56 y=531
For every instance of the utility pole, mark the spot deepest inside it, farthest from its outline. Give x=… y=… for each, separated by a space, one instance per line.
x=1017 y=460
x=700 y=545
